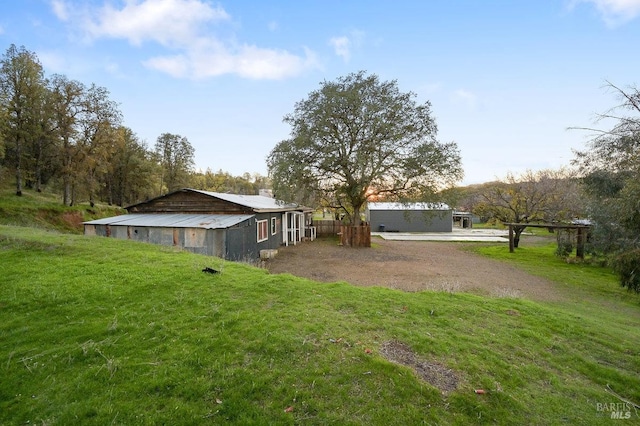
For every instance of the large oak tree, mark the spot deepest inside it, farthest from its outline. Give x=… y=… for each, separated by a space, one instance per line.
x=22 y=88
x=359 y=137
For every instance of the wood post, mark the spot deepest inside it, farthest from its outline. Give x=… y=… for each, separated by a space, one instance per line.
x=580 y=243
x=581 y=233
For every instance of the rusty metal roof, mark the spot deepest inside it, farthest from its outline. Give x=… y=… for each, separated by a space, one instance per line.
x=259 y=203
x=177 y=220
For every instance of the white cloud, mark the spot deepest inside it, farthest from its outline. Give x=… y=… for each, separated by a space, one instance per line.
x=466 y=97
x=185 y=29
x=211 y=59
x=168 y=22
x=614 y=12
x=60 y=10
x=343 y=45
x=175 y=66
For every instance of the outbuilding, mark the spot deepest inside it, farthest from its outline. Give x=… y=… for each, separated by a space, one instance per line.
x=409 y=217
x=230 y=226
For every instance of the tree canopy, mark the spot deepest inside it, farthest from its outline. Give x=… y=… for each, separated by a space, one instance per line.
x=611 y=172
x=358 y=138
x=22 y=94
x=611 y=177
x=547 y=196
x=175 y=154
x=66 y=136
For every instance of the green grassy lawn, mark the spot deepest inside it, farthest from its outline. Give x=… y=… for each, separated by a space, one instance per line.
x=103 y=331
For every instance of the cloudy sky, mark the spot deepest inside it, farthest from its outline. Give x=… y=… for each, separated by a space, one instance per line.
x=505 y=78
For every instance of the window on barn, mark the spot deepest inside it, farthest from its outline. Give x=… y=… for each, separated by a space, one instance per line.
x=274 y=226
x=262 y=230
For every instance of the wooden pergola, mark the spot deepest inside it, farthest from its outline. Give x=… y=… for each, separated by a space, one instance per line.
x=580 y=231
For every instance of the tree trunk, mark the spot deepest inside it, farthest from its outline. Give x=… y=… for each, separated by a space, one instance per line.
x=38 y=164
x=66 y=176
x=356 y=216
x=516 y=237
x=66 y=190
x=18 y=180
x=18 y=167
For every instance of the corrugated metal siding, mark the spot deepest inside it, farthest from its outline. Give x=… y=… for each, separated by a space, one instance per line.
x=256 y=202
x=174 y=220
x=411 y=221
x=241 y=243
x=197 y=240
x=203 y=234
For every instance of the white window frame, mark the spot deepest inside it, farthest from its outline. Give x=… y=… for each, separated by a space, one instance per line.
x=262 y=224
x=274 y=226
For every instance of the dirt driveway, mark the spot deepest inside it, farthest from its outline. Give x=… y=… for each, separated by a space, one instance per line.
x=410 y=266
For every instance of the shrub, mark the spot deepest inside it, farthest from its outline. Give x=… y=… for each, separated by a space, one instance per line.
x=565 y=243
x=627 y=265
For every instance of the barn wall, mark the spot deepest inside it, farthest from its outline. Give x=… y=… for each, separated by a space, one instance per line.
x=241 y=241
x=275 y=240
x=216 y=242
x=139 y=233
x=162 y=236
x=411 y=220
x=90 y=230
x=120 y=232
x=99 y=230
x=196 y=240
x=189 y=202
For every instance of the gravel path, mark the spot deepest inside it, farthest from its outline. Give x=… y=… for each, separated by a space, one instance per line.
x=411 y=266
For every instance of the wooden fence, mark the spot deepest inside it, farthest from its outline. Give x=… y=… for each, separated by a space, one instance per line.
x=327 y=228
x=356 y=236
x=352 y=236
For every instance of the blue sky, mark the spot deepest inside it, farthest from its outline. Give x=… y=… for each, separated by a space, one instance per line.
x=505 y=78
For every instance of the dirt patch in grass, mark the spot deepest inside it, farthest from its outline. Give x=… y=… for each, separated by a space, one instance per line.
x=73 y=219
x=434 y=373
x=411 y=266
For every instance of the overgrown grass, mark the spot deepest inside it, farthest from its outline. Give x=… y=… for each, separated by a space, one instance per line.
x=104 y=331
x=46 y=211
x=582 y=279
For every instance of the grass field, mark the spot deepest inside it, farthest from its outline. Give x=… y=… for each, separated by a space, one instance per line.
x=103 y=331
